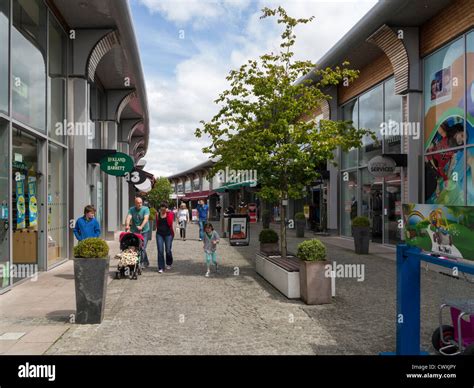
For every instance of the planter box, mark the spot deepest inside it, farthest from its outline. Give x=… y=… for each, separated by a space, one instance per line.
x=269 y=247
x=361 y=239
x=90 y=277
x=315 y=286
x=287 y=282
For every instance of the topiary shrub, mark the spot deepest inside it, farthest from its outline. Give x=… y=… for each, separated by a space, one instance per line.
x=91 y=248
x=312 y=250
x=268 y=236
x=152 y=214
x=360 y=221
x=300 y=216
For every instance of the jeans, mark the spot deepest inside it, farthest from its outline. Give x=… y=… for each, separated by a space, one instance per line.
x=146 y=238
x=164 y=243
x=201 y=228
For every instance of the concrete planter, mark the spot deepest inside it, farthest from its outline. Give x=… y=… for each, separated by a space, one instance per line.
x=288 y=283
x=361 y=239
x=269 y=247
x=300 y=227
x=315 y=286
x=90 y=277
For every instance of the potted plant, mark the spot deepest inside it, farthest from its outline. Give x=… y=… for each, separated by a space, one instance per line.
x=266 y=218
x=268 y=241
x=315 y=285
x=361 y=233
x=91 y=269
x=300 y=224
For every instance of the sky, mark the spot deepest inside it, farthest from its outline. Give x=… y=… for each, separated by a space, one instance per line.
x=187 y=48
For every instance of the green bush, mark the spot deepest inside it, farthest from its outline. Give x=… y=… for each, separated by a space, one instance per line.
x=91 y=248
x=268 y=236
x=300 y=216
x=152 y=214
x=312 y=250
x=360 y=221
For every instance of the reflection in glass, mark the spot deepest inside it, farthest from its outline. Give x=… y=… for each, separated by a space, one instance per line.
x=350 y=113
x=393 y=118
x=57 y=80
x=470 y=87
x=28 y=63
x=393 y=206
x=57 y=217
x=349 y=201
x=371 y=117
x=4 y=56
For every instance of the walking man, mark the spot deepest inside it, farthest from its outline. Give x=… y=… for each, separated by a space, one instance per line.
x=203 y=214
x=137 y=222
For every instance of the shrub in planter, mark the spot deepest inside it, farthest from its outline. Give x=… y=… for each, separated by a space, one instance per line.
x=361 y=233
x=268 y=241
x=315 y=286
x=91 y=268
x=266 y=218
x=300 y=224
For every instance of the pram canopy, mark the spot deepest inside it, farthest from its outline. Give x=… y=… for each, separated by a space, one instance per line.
x=128 y=239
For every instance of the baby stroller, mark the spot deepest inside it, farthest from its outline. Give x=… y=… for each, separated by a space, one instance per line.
x=458 y=338
x=131 y=251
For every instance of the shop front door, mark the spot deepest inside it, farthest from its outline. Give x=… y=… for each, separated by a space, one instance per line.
x=26 y=182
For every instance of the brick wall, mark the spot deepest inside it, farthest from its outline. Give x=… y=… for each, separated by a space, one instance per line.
x=450 y=22
x=370 y=75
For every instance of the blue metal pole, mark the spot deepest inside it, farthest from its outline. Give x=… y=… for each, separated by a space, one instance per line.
x=408 y=301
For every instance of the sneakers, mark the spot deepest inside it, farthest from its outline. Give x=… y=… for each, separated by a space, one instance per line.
x=160 y=271
x=200 y=239
x=207 y=274
x=168 y=267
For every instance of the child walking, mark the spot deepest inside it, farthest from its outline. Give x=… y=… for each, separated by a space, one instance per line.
x=211 y=239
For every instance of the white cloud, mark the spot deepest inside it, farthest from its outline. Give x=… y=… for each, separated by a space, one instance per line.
x=178 y=104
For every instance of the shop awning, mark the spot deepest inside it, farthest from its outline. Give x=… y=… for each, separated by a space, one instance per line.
x=198 y=195
x=236 y=186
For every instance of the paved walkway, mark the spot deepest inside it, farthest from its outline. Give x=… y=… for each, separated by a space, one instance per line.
x=233 y=312
x=237 y=312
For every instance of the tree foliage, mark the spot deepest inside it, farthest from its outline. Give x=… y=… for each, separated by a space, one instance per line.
x=160 y=192
x=265 y=121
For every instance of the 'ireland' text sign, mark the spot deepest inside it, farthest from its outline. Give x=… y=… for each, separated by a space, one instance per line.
x=117 y=164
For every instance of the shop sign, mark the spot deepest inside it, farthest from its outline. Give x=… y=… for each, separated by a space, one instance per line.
x=32 y=206
x=306 y=211
x=135 y=177
x=117 y=164
x=381 y=166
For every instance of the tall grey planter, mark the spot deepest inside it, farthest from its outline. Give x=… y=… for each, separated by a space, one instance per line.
x=300 y=226
x=315 y=286
x=361 y=239
x=90 y=277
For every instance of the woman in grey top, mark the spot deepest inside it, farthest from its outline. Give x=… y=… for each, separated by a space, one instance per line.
x=210 y=240
x=183 y=219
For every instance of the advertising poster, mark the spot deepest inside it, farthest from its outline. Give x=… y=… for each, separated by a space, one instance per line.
x=238 y=228
x=20 y=205
x=445 y=230
x=32 y=207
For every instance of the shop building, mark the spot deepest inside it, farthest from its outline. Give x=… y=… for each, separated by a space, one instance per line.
x=70 y=82
x=415 y=91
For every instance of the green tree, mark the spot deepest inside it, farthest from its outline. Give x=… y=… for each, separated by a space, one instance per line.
x=161 y=192
x=263 y=124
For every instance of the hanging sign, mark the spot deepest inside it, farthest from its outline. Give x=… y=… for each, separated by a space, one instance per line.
x=20 y=205
x=135 y=177
x=117 y=164
x=381 y=166
x=32 y=208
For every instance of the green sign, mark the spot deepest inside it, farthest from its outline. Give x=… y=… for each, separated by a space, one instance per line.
x=117 y=164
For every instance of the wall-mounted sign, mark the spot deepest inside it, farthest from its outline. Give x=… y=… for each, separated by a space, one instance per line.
x=135 y=177
x=381 y=166
x=32 y=206
x=117 y=164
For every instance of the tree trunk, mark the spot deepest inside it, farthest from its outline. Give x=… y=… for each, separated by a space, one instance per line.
x=282 y=229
